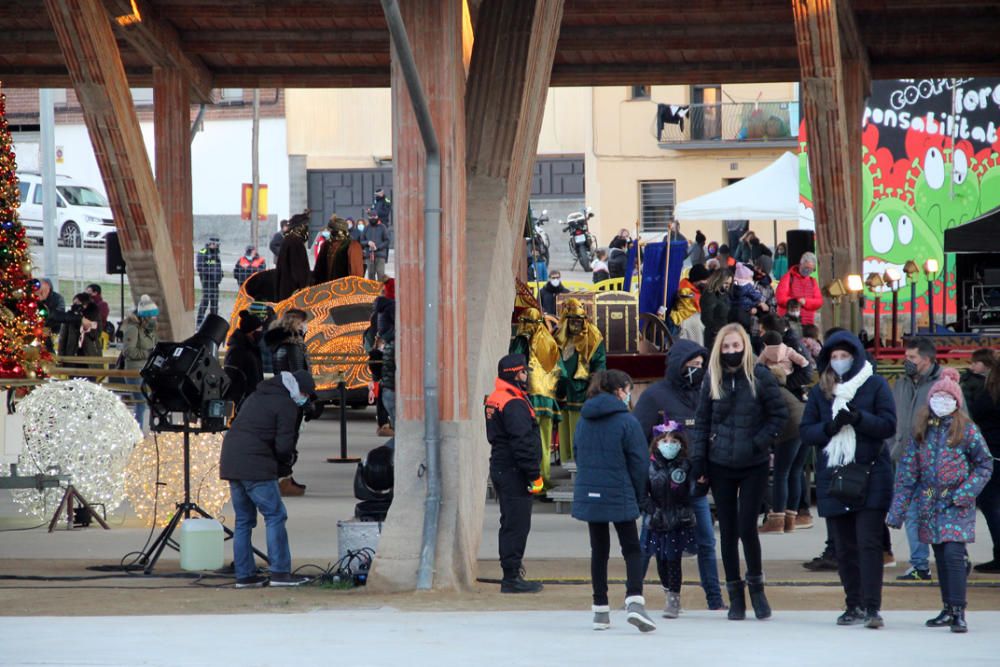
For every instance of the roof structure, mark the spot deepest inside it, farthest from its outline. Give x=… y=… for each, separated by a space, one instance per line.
x=345 y=43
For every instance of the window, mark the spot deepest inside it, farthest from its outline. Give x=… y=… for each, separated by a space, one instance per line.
x=656 y=205
x=230 y=94
x=706 y=117
x=38 y=194
x=142 y=95
x=639 y=93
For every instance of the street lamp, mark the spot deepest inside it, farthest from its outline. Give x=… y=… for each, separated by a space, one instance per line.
x=875 y=283
x=854 y=286
x=892 y=277
x=911 y=270
x=930 y=270
x=835 y=291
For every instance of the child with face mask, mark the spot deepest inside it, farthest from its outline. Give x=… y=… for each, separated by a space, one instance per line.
x=945 y=465
x=671 y=519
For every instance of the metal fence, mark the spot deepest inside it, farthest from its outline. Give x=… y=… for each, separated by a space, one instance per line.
x=733 y=122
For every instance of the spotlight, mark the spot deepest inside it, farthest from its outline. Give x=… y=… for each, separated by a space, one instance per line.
x=854 y=283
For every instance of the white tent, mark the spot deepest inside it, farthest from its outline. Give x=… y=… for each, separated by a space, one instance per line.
x=770 y=194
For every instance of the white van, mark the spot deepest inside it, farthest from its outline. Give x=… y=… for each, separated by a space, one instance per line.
x=83 y=215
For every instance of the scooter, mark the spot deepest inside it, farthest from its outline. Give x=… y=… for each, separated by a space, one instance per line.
x=582 y=243
x=540 y=239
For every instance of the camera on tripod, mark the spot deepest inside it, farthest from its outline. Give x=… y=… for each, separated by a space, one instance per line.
x=185 y=381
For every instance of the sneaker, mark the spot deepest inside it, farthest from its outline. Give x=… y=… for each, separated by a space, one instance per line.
x=913 y=574
x=636 y=607
x=888 y=560
x=255 y=581
x=853 y=616
x=288 y=579
x=873 y=620
x=822 y=563
x=602 y=616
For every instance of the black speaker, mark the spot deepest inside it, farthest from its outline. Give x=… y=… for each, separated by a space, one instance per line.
x=799 y=241
x=114 y=263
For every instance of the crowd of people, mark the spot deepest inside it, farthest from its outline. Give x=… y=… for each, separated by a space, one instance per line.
x=750 y=395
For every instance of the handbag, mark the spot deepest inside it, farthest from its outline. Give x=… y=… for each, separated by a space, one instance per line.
x=849 y=483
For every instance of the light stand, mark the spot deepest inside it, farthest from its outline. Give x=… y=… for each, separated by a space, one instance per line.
x=342 y=399
x=875 y=284
x=892 y=277
x=835 y=291
x=911 y=270
x=930 y=269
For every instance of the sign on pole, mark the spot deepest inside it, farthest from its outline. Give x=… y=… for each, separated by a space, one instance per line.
x=246 y=202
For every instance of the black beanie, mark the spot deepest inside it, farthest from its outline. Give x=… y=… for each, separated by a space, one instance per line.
x=510 y=366
x=249 y=323
x=698 y=273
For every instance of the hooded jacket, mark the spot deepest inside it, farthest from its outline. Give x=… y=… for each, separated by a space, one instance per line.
x=512 y=431
x=672 y=397
x=138 y=340
x=243 y=353
x=611 y=460
x=878 y=422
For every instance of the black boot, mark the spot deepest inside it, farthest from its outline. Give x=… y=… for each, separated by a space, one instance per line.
x=958 y=618
x=942 y=620
x=737 y=601
x=990 y=567
x=761 y=609
x=514 y=582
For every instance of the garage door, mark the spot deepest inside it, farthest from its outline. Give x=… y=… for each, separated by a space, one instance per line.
x=347 y=192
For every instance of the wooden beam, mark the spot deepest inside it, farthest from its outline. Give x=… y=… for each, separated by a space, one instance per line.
x=747 y=71
x=95 y=67
x=157 y=41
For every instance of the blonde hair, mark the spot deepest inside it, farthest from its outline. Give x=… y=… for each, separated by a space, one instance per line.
x=715 y=370
x=956 y=432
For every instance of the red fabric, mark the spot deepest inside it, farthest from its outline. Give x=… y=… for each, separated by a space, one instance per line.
x=390 y=288
x=793 y=285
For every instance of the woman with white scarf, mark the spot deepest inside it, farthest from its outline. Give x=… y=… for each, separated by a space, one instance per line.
x=848 y=415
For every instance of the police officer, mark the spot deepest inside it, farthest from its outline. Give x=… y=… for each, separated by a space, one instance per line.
x=209 y=266
x=515 y=463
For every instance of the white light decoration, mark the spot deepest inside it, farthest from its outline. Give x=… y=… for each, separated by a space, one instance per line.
x=86 y=432
x=207 y=490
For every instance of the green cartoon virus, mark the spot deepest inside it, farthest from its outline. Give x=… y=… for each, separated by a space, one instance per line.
x=805 y=181
x=945 y=188
x=988 y=170
x=893 y=234
x=870 y=175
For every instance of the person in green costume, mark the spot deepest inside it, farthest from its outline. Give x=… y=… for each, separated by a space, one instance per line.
x=533 y=340
x=582 y=354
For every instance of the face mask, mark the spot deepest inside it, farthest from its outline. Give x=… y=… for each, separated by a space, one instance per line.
x=669 y=449
x=555 y=282
x=732 y=359
x=841 y=366
x=806 y=272
x=693 y=376
x=910 y=368
x=943 y=405
x=628 y=399
x=793 y=317
x=361 y=226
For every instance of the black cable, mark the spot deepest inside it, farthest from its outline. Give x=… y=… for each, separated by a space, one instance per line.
x=134 y=564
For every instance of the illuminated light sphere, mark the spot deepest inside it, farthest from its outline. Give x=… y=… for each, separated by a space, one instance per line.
x=207 y=490
x=84 y=430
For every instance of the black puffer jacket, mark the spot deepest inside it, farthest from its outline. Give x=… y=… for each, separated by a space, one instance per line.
x=264 y=433
x=738 y=430
x=669 y=490
x=288 y=350
x=672 y=397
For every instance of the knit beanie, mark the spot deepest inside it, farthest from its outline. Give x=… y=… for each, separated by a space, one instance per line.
x=947 y=386
x=698 y=273
x=744 y=276
x=949 y=373
x=146 y=307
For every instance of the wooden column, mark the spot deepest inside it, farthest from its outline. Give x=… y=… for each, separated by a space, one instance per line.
x=835 y=80
x=172 y=132
x=83 y=29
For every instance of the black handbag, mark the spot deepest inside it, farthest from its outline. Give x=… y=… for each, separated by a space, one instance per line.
x=849 y=483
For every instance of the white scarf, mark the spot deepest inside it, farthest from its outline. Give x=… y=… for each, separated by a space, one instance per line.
x=840 y=450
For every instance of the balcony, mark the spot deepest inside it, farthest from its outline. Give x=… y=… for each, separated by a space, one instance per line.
x=729 y=125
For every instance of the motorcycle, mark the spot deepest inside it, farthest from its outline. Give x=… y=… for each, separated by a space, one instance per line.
x=540 y=239
x=582 y=243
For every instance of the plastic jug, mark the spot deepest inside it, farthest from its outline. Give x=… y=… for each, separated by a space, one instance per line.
x=201 y=544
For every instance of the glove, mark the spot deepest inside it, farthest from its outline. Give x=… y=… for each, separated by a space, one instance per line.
x=854 y=414
x=536 y=487
x=843 y=419
x=661 y=312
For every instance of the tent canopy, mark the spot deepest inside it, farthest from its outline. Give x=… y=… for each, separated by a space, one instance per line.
x=770 y=194
x=979 y=235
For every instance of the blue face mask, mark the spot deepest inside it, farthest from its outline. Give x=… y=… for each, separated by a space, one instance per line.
x=841 y=366
x=628 y=399
x=669 y=449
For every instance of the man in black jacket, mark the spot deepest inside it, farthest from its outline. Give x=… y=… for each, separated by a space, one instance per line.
x=261 y=440
x=243 y=362
x=550 y=292
x=376 y=247
x=515 y=466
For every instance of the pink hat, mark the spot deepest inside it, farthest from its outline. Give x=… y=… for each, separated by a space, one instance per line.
x=743 y=276
x=949 y=373
x=947 y=386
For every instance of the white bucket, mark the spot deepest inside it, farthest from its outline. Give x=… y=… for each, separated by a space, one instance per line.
x=201 y=544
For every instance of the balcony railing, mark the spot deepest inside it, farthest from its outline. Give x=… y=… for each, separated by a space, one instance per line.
x=728 y=123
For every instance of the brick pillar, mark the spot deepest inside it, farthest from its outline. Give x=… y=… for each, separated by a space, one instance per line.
x=172 y=133
x=83 y=29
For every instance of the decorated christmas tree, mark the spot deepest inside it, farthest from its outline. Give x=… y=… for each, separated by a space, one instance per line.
x=21 y=320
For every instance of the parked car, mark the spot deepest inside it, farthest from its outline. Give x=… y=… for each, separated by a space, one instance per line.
x=83 y=215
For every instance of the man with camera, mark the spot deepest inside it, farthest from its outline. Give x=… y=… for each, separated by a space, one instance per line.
x=258 y=449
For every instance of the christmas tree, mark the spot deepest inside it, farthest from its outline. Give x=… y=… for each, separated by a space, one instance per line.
x=21 y=317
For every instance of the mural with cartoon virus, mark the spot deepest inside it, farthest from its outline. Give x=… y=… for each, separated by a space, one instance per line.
x=930 y=162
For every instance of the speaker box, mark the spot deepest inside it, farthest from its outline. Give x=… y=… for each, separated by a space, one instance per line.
x=113 y=260
x=799 y=241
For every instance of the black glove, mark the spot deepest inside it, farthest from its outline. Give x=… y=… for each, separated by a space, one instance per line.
x=842 y=419
x=854 y=415
x=831 y=429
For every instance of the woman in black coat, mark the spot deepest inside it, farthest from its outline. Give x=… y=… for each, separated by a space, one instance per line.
x=740 y=415
x=715 y=304
x=848 y=415
x=286 y=339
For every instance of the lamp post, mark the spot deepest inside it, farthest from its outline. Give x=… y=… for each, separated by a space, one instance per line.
x=854 y=286
x=892 y=277
x=835 y=291
x=875 y=284
x=911 y=270
x=930 y=270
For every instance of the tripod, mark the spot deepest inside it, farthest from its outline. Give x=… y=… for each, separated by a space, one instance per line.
x=184 y=509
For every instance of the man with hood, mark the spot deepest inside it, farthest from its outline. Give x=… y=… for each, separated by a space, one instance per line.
x=260 y=442
x=533 y=340
x=582 y=354
x=243 y=359
x=292 y=268
x=512 y=431
x=340 y=256
x=675 y=398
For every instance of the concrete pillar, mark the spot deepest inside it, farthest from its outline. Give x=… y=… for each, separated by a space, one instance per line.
x=83 y=29
x=172 y=132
